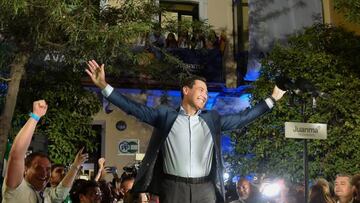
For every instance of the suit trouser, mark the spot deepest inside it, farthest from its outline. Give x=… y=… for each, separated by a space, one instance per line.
x=173 y=191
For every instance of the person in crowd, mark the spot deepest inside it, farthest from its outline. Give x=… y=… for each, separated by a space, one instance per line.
x=36 y=166
x=58 y=177
x=124 y=193
x=156 y=43
x=183 y=161
x=212 y=59
x=105 y=187
x=285 y=193
x=116 y=189
x=126 y=185
x=184 y=40
x=343 y=189
x=57 y=174
x=101 y=172
x=212 y=40
x=326 y=186
x=26 y=179
x=298 y=192
x=222 y=42
x=197 y=40
x=85 y=191
x=320 y=192
x=247 y=192
x=171 y=41
x=156 y=38
x=355 y=181
x=74 y=190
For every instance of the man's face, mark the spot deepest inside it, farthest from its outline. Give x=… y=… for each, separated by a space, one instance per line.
x=38 y=174
x=57 y=175
x=126 y=186
x=243 y=189
x=197 y=95
x=343 y=187
x=93 y=195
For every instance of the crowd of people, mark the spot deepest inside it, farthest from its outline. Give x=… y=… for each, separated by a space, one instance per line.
x=163 y=174
x=36 y=179
x=195 y=41
x=203 y=51
x=171 y=171
x=345 y=189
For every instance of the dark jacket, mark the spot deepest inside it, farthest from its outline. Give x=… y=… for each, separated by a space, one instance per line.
x=162 y=118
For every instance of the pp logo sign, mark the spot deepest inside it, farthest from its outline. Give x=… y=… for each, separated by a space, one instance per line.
x=129 y=146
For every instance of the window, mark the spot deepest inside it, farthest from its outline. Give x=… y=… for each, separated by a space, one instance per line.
x=179 y=11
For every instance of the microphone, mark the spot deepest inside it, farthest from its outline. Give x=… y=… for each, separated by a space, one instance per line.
x=306 y=86
x=284 y=83
x=298 y=87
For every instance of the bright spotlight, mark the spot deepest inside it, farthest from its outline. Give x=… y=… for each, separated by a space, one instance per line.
x=270 y=190
x=226 y=176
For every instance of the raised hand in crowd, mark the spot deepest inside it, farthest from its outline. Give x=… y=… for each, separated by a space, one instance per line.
x=70 y=176
x=101 y=173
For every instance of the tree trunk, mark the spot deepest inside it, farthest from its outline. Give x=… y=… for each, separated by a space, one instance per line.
x=16 y=73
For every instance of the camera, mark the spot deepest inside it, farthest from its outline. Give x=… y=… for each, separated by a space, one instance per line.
x=131 y=170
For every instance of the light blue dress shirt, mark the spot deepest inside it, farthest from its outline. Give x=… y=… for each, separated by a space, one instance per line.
x=188 y=150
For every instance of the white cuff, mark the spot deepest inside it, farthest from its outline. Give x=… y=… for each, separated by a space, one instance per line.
x=107 y=91
x=269 y=102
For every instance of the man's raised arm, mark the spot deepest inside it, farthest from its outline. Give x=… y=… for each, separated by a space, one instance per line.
x=144 y=113
x=16 y=164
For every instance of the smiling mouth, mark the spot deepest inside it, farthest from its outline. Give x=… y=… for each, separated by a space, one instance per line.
x=202 y=100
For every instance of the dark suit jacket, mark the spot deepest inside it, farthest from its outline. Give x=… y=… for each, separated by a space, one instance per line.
x=162 y=118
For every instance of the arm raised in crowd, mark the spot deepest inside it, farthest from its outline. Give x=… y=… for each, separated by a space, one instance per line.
x=75 y=167
x=101 y=173
x=61 y=191
x=16 y=164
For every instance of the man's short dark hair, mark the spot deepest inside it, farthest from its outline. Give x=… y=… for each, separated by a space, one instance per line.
x=79 y=187
x=85 y=187
x=189 y=82
x=29 y=158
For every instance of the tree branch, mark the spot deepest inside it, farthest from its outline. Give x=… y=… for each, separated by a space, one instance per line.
x=54 y=44
x=5 y=79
